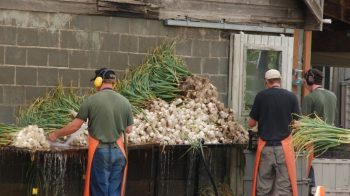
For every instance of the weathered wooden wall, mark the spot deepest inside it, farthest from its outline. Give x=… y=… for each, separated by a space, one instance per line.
x=286 y=13
x=65 y=6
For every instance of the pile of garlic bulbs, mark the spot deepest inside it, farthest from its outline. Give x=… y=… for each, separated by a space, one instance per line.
x=31 y=137
x=199 y=115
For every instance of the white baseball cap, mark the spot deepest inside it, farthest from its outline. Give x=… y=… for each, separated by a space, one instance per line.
x=272 y=74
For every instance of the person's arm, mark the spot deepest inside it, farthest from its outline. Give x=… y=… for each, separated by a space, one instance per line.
x=67 y=130
x=251 y=123
x=130 y=120
x=128 y=129
x=255 y=112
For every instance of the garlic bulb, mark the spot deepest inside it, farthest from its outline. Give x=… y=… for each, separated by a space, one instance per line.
x=31 y=137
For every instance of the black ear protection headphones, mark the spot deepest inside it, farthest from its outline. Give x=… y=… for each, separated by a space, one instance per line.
x=99 y=79
x=309 y=77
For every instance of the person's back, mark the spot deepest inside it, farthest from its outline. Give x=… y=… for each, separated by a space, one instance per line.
x=275 y=107
x=321 y=102
x=109 y=114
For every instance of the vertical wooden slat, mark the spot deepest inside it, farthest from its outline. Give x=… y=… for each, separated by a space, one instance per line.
x=290 y=62
x=230 y=80
x=307 y=58
x=284 y=62
x=296 y=57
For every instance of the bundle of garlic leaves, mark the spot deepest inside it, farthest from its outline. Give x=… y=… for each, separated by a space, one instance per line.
x=313 y=135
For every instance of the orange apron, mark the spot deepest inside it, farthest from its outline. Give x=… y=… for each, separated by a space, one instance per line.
x=290 y=161
x=93 y=143
x=310 y=158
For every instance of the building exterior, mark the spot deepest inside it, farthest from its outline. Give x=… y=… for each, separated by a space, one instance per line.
x=42 y=42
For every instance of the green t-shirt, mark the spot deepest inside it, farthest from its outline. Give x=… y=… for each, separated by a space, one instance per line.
x=108 y=114
x=321 y=102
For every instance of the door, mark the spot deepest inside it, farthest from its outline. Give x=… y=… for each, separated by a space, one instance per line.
x=250 y=57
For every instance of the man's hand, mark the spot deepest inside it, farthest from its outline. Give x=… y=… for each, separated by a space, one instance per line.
x=52 y=136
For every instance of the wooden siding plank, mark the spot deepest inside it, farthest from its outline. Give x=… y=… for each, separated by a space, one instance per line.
x=290 y=63
x=296 y=57
x=50 y=6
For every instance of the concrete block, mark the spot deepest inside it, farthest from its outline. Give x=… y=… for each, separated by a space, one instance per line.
x=7 y=75
x=147 y=44
x=128 y=43
x=139 y=26
x=119 y=61
x=85 y=77
x=220 y=82
x=58 y=58
x=194 y=64
x=33 y=93
x=47 y=77
x=100 y=23
x=2 y=55
x=24 y=19
x=184 y=48
x=211 y=34
x=136 y=59
x=219 y=49
x=193 y=33
x=156 y=27
x=75 y=39
x=200 y=48
x=225 y=35
x=80 y=22
x=15 y=56
x=48 y=38
x=79 y=59
x=109 y=42
x=8 y=35
x=120 y=24
x=26 y=75
x=14 y=95
x=210 y=66
x=94 y=40
x=99 y=59
x=7 y=114
x=59 y=21
x=37 y=56
x=27 y=37
x=69 y=77
x=223 y=66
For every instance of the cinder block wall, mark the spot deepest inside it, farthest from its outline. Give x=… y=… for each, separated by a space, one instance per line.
x=37 y=49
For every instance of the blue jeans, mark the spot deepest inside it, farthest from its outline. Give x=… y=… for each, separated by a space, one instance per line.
x=107 y=172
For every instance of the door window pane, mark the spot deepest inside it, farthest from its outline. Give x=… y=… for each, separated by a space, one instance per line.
x=258 y=62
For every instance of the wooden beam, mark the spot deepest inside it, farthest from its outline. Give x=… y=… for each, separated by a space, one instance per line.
x=79 y=7
x=316 y=8
x=307 y=58
x=296 y=57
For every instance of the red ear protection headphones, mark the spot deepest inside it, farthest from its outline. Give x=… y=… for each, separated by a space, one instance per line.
x=99 y=79
x=309 y=77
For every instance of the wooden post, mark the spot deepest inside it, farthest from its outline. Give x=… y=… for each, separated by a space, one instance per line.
x=296 y=57
x=307 y=58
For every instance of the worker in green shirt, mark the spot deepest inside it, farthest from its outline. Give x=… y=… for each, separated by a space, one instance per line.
x=320 y=102
x=109 y=117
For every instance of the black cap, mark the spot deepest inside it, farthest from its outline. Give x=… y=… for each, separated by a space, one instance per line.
x=105 y=73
